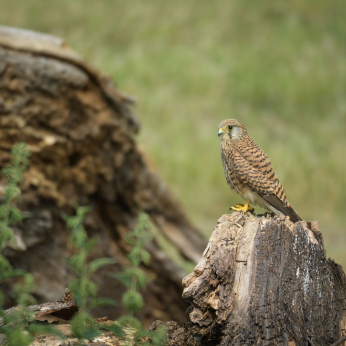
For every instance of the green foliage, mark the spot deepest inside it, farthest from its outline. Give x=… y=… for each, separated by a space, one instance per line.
x=16 y=323
x=19 y=327
x=84 y=290
x=133 y=301
x=126 y=277
x=23 y=289
x=134 y=279
x=9 y=213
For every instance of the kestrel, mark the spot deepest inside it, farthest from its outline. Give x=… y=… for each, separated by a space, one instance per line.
x=249 y=172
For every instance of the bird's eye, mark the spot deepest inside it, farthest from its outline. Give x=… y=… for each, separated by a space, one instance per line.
x=229 y=127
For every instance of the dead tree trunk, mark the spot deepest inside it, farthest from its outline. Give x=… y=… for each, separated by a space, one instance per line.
x=264 y=281
x=81 y=133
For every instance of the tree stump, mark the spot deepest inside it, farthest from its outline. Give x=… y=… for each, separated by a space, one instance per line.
x=264 y=280
x=81 y=130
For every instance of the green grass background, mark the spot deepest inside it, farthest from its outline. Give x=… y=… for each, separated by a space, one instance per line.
x=277 y=66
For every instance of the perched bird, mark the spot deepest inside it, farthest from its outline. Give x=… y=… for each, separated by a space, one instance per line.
x=249 y=172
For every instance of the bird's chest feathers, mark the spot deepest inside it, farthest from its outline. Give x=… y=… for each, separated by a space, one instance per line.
x=233 y=181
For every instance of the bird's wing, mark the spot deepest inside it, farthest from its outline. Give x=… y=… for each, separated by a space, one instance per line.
x=258 y=181
x=250 y=176
x=258 y=159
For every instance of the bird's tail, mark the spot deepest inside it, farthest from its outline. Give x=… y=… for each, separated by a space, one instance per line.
x=289 y=211
x=282 y=206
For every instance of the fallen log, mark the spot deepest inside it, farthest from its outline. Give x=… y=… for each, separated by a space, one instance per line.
x=81 y=130
x=263 y=280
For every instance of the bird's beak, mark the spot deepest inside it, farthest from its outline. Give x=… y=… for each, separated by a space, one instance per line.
x=221 y=131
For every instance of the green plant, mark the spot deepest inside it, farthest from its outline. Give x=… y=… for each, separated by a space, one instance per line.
x=135 y=279
x=82 y=287
x=9 y=213
x=19 y=326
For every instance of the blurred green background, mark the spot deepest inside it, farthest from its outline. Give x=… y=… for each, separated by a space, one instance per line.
x=277 y=66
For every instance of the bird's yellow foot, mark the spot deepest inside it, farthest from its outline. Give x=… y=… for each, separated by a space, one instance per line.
x=242 y=207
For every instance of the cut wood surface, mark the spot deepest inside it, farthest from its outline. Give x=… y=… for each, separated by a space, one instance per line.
x=81 y=131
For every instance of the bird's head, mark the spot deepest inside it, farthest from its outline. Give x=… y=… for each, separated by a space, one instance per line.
x=231 y=129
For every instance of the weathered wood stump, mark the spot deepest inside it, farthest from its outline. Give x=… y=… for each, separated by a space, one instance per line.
x=81 y=131
x=264 y=281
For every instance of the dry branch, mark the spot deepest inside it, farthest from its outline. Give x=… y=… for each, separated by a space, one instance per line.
x=64 y=308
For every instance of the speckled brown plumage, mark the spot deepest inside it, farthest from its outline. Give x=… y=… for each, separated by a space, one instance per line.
x=249 y=172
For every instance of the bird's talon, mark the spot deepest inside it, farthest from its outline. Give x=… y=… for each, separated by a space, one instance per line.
x=242 y=207
x=235 y=208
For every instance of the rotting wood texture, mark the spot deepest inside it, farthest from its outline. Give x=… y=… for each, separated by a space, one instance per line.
x=81 y=133
x=266 y=281
x=263 y=280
